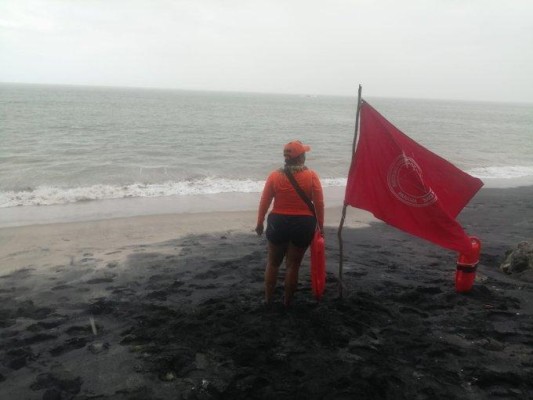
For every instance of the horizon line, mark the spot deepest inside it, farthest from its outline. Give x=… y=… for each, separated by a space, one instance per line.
x=312 y=95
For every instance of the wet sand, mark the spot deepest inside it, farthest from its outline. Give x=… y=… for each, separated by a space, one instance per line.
x=170 y=307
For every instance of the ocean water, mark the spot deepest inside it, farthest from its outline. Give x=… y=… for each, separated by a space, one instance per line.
x=64 y=145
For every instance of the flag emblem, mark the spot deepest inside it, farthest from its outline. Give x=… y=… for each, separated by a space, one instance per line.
x=406 y=183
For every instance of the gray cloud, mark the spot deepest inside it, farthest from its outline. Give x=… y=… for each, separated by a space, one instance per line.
x=476 y=49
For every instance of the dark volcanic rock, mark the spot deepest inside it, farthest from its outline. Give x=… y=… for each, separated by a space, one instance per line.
x=518 y=259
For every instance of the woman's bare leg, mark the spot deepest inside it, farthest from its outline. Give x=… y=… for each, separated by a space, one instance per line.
x=293 y=260
x=274 y=260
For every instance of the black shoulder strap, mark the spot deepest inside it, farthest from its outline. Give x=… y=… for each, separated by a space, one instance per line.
x=300 y=191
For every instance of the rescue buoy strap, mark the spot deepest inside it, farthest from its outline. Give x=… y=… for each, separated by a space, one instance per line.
x=467 y=268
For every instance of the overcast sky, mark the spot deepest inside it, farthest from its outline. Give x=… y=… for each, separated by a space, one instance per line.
x=447 y=49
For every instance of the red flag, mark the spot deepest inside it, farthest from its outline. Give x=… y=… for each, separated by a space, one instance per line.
x=408 y=186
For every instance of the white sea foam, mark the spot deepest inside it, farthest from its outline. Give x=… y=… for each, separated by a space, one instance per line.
x=504 y=172
x=47 y=195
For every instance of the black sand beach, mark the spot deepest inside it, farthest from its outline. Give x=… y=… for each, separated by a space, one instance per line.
x=183 y=319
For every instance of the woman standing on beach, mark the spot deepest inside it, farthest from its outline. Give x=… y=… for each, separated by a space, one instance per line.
x=291 y=224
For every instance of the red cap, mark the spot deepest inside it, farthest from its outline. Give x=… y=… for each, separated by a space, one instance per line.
x=294 y=149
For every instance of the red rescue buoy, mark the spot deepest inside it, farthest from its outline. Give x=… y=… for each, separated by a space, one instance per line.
x=466 y=267
x=318 y=265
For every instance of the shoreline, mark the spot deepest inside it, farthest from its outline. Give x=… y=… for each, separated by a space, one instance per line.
x=58 y=243
x=170 y=306
x=96 y=210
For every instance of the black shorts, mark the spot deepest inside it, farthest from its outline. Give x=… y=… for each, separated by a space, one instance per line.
x=296 y=229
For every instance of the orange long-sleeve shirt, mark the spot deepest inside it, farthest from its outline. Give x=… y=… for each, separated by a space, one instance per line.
x=286 y=199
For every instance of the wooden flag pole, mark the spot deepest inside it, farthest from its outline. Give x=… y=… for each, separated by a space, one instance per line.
x=339 y=232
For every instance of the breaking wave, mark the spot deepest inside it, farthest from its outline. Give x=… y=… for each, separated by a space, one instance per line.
x=49 y=195
x=506 y=172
